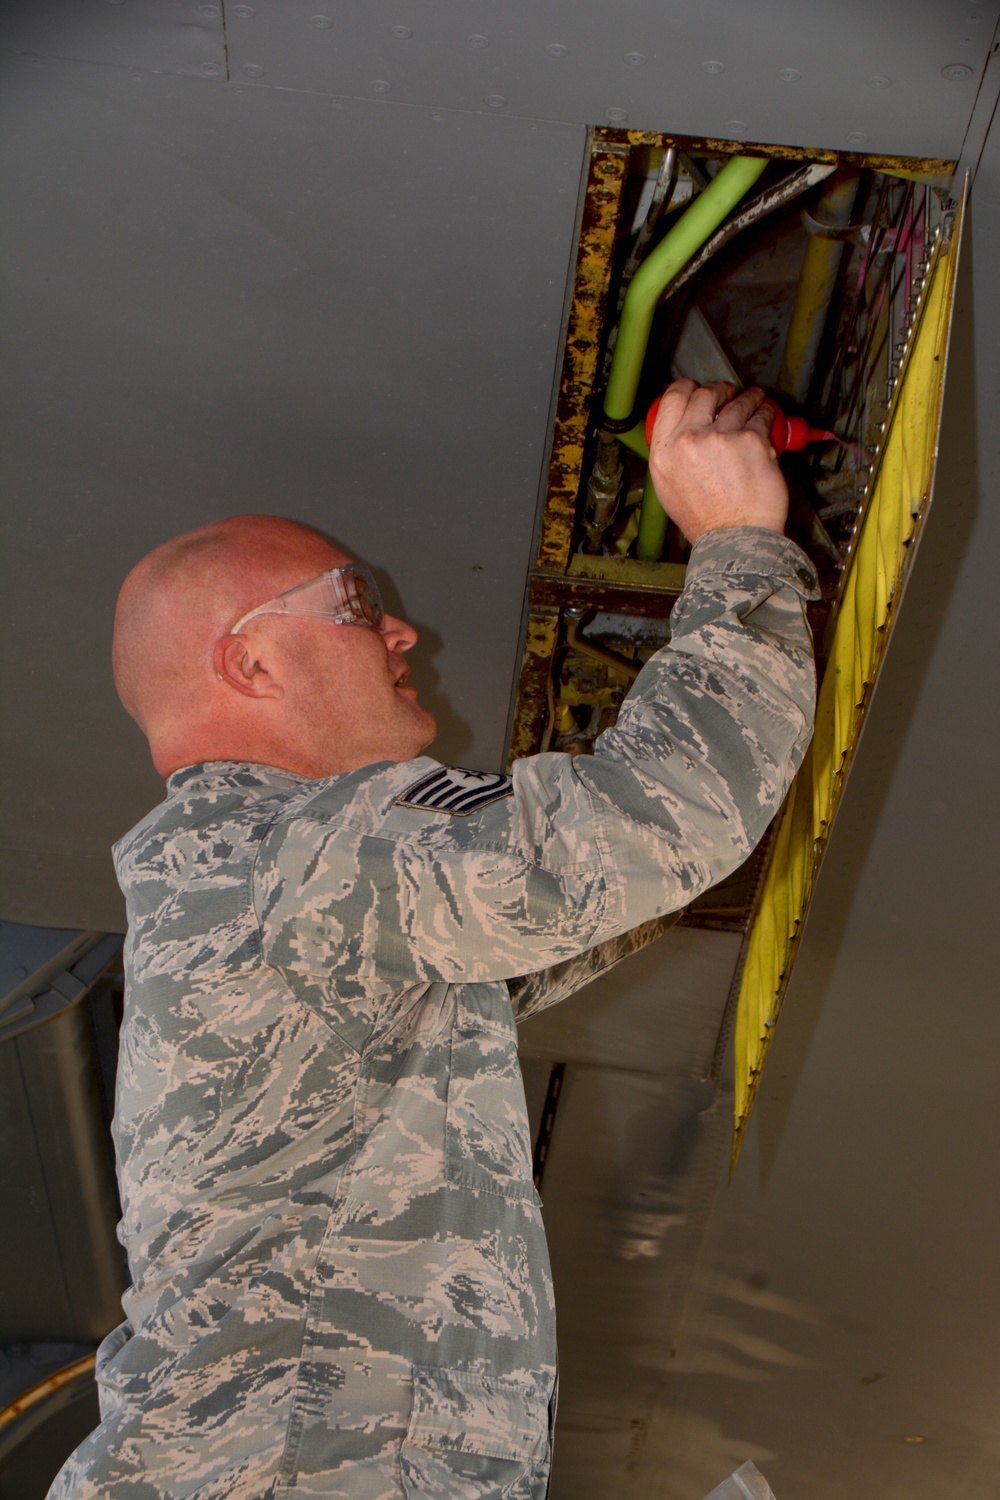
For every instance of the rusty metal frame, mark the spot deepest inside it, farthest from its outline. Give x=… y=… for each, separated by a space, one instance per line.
x=592 y=278
x=932 y=169
x=560 y=579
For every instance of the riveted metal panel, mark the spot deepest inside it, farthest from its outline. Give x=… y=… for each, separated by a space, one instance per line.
x=161 y=36
x=895 y=77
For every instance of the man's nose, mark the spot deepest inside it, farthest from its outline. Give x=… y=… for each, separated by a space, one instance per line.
x=399 y=636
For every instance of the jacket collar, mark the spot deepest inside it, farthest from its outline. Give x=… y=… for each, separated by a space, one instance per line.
x=214 y=774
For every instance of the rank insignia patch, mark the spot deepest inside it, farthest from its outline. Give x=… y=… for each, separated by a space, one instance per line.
x=451 y=789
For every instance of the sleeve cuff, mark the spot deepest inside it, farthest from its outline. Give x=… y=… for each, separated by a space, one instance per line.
x=736 y=553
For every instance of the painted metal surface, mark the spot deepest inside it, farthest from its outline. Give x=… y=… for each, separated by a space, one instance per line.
x=855 y=76
x=901 y=490
x=218 y=309
x=155 y=36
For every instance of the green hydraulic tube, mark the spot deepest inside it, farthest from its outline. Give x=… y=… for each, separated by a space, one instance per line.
x=652 y=531
x=656 y=272
x=660 y=267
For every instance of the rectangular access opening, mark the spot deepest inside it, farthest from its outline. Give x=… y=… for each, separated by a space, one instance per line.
x=808 y=286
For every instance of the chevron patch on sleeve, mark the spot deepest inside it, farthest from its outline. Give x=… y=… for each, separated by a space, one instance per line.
x=452 y=789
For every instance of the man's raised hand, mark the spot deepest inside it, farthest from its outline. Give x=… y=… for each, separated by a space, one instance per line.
x=712 y=462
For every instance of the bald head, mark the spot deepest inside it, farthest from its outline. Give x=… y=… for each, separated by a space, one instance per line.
x=181 y=597
x=298 y=693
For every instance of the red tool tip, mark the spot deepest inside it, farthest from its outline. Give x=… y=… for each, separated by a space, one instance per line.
x=788 y=434
x=791 y=434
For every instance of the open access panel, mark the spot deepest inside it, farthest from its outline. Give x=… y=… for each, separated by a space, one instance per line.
x=829 y=280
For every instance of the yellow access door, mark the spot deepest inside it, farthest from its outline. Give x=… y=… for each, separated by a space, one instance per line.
x=899 y=497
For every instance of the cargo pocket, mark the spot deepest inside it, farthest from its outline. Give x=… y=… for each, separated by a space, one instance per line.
x=115 y=1384
x=488 y=1145
x=475 y=1437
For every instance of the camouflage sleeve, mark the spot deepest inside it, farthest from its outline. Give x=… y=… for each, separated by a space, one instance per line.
x=534 y=992
x=395 y=876
x=716 y=724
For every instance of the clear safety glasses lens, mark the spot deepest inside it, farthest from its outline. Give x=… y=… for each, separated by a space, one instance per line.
x=348 y=596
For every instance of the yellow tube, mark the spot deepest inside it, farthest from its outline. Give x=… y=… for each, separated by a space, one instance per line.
x=817 y=280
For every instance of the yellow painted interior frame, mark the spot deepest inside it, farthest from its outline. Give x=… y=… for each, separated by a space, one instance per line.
x=900 y=493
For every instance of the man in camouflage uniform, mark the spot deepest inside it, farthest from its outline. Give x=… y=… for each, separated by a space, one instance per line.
x=340 y=1284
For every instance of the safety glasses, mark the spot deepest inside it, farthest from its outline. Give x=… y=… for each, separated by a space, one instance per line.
x=347 y=595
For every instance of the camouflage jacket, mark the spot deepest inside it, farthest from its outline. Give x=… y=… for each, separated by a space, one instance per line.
x=340 y=1280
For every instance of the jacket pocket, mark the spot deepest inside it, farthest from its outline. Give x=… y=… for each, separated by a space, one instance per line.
x=475 y=1437
x=488 y=1146
x=118 y=1374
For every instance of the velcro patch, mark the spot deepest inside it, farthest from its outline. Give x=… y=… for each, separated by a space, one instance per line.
x=452 y=789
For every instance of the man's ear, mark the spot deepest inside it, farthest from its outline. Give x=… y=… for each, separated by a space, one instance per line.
x=239 y=664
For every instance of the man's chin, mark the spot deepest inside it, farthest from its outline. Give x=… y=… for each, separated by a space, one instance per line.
x=413 y=731
x=428 y=731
